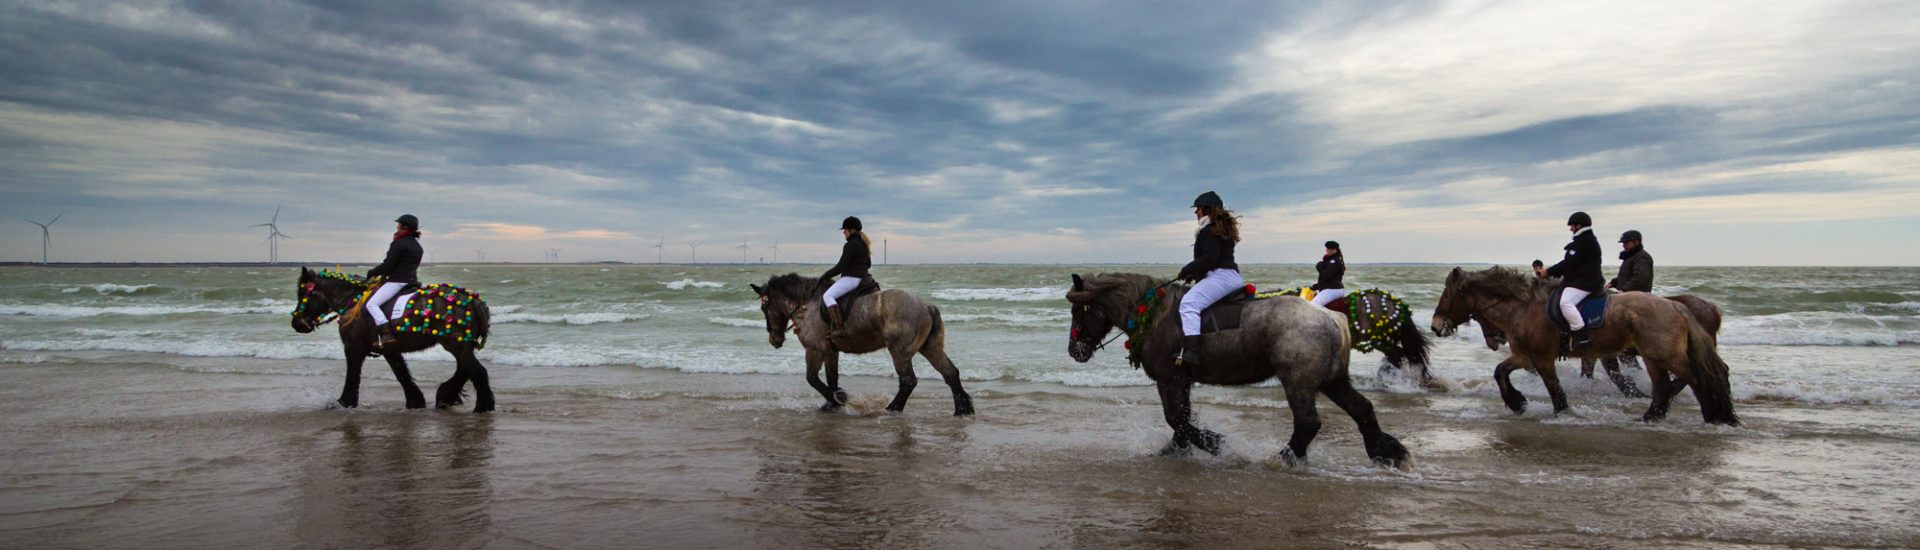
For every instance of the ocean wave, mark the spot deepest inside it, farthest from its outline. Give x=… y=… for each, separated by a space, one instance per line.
x=1034 y=294
x=1821 y=329
x=735 y=322
x=62 y=311
x=104 y=289
x=684 y=283
x=1049 y=319
x=1814 y=394
x=569 y=318
x=315 y=349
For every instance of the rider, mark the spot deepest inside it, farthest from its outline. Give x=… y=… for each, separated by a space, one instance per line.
x=1333 y=268
x=1212 y=268
x=1636 y=266
x=400 y=268
x=1580 y=274
x=856 y=257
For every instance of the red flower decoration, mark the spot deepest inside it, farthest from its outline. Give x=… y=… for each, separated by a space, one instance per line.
x=1127 y=344
x=1143 y=309
x=1250 y=289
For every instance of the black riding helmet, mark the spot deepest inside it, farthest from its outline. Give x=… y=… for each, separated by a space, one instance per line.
x=1581 y=219
x=409 y=221
x=850 y=223
x=1333 y=245
x=1630 y=235
x=1209 y=199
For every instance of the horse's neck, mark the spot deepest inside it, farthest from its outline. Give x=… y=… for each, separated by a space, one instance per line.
x=1510 y=313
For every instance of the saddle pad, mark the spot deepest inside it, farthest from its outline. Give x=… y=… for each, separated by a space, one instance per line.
x=1224 y=314
x=400 y=305
x=867 y=286
x=1593 y=309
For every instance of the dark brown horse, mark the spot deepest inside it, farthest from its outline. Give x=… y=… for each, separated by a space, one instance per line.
x=1677 y=349
x=326 y=296
x=894 y=320
x=1703 y=311
x=1303 y=345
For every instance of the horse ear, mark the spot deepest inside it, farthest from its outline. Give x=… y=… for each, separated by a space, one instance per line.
x=1078 y=283
x=757 y=289
x=305 y=275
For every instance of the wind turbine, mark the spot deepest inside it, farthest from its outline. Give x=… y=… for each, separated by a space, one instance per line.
x=695 y=257
x=482 y=253
x=776 y=250
x=743 y=249
x=273 y=233
x=660 y=250
x=46 y=236
x=555 y=254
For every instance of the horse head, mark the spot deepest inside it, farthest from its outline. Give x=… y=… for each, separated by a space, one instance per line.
x=1095 y=313
x=780 y=302
x=1453 y=309
x=320 y=294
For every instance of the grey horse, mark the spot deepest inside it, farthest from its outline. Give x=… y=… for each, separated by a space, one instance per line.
x=1304 y=345
x=894 y=320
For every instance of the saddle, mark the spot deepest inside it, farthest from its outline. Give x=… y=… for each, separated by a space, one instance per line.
x=1593 y=309
x=1225 y=314
x=867 y=286
x=398 y=305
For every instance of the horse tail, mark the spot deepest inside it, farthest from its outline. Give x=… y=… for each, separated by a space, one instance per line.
x=482 y=323
x=1710 y=385
x=1413 y=342
x=939 y=331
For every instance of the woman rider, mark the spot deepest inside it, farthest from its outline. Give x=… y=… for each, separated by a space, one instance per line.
x=1212 y=268
x=856 y=257
x=1579 y=274
x=400 y=268
x=1333 y=268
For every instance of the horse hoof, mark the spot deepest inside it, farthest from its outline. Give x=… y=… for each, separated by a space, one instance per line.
x=483 y=409
x=963 y=411
x=1290 y=460
x=338 y=404
x=1175 y=450
x=830 y=407
x=1209 y=441
x=840 y=396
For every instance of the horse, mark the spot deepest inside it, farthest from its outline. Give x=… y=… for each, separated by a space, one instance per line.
x=1671 y=342
x=455 y=319
x=1379 y=321
x=1703 y=311
x=893 y=319
x=1304 y=345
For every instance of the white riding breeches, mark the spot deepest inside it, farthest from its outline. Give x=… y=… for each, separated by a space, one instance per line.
x=840 y=288
x=1324 y=297
x=387 y=292
x=1216 y=285
x=1569 y=307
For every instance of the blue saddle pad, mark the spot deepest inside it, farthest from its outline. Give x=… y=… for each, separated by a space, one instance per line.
x=1593 y=309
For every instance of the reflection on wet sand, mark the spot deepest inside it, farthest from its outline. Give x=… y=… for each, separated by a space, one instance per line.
x=399 y=481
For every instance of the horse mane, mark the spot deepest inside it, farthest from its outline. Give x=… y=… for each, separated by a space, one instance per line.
x=1506 y=282
x=790 y=286
x=1099 y=290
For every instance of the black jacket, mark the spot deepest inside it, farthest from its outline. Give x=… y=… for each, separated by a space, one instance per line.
x=1636 y=271
x=1210 y=252
x=1332 y=270
x=403 y=261
x=1581 y=268
x=855 y=260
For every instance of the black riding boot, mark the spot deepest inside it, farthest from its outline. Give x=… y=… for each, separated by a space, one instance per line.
x=834 y=320
x=1189 y=352
x=384 y=337
x=1578 y=340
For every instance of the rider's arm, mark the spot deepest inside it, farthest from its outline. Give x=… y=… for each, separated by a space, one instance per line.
x=846 y=256
x=1206 y=256
x=386 y=266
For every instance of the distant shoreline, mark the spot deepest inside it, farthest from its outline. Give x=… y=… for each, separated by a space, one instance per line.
x=317 y=265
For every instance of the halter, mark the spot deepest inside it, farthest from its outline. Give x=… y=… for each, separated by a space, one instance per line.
x=793 y=315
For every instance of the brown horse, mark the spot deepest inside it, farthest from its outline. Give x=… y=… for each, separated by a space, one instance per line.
x=894 y=320
x=1677 y=349
x=1703 y=311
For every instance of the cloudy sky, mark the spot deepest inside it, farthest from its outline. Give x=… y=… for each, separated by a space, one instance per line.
x=1775 y=133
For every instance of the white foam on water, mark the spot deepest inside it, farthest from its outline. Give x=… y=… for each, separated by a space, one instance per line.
x=70 y=290
x=569 y=318
x=684 y=283
x=1819 y=394
x=1033 y=294
x=64 y=311
x=498 y=310
x=732 y=322
x=317 y=349
x=110 y=288
x=1821 y=329
x=1048 y=319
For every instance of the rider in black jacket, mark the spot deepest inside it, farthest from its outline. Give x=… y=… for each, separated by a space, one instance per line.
x=856 y=259
x=1636 y=266
x=1213 y=270
x=401 y=267
x=1580 y=274
x=1333 y=270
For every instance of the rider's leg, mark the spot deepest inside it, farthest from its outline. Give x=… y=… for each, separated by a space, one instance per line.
x=840 y=288
x=1569 y=300
x=1217 y=284
x=386 y=292
x=1324 y=297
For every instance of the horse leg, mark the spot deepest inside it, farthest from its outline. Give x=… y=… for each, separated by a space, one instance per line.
x=1502 y=374
x=482 y=390
x=1306 y=424
x=1663 y=392
x=1384 y=449
x=962 y=403
x=1627 y=387
x=350 y=395
x=833 y=376
x=1551 y=378
x=1179 y=412
x=902 y=367
x=814 y=361
x=1586 y=367
x=399 y=364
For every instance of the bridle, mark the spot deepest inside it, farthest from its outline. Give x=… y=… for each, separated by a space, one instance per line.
x=793 y=315
x=1074 y=335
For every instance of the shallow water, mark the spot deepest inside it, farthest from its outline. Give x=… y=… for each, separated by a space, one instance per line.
x=642 y=407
